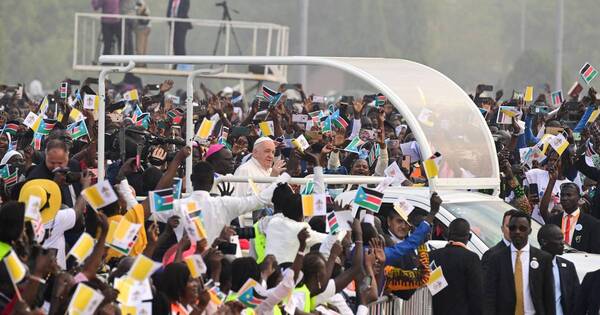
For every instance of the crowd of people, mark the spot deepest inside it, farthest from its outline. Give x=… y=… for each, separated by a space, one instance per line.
x=134 y=243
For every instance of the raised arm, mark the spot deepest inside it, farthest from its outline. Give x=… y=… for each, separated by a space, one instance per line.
x=545 y=202
x=166 y=180
x=92 y=263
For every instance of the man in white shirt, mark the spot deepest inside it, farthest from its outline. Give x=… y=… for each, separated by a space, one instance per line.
x=566 y=282
x=219 y=211
x=518 y=279
x=261 y=164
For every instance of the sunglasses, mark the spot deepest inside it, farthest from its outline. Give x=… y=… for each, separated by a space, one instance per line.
x=520 y=228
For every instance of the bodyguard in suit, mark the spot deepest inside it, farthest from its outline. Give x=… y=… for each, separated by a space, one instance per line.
x=504 y=242
x=462 y=270
x=179 y=9
x=588 y=302
x=566 y=282
x=518 y=279
x=581 y=230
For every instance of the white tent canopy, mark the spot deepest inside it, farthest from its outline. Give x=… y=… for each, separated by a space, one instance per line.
x=440 y=114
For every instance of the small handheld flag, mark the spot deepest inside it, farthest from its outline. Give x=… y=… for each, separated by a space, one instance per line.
x=177 y=184
x=76 y=115
x=121 y=235
x=334 y=227
x=131 y=95
x=142 y=268
x=14 y=266
x=99 y=195
x=85 y=300
x=575 y=89
x=588 y=73
x=205 y=129
x=301 y=143
x=557 y=98
x=528 y=94
x=432 y=165
x=91 y=101
x=353 y=145
x=368 y=198
x=314 y=204
x=559 y=143
x=161 y=200
x=266 y=128
x=82 y=248
x=78 y=129
x=196 y=265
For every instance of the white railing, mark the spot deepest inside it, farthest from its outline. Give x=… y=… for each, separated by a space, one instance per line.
x=254 y=39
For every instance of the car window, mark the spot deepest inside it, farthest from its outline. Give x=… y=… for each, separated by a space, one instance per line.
x=485 y=218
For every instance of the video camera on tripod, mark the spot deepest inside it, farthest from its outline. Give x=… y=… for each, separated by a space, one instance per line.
x=128 y=142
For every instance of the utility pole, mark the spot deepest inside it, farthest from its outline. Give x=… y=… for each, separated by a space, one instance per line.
x=303 y=37
x=559 y=44
x=523 y=22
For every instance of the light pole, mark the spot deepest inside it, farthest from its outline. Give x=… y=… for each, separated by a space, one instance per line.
x=303 y=37
x=559 y=44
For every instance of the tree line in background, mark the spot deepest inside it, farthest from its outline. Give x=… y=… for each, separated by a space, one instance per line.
x=470 y=41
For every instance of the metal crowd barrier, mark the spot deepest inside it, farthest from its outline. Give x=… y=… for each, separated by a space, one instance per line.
x=419 y=304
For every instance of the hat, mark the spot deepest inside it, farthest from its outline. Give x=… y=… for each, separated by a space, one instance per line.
x=9 y=155
x=213 y=149
x=49 y=194
x=261 y=140
x=227 y=91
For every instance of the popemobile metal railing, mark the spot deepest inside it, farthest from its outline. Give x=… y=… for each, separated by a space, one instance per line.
x=419 y=304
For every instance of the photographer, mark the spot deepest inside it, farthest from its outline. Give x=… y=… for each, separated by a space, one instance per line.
x=57 y=166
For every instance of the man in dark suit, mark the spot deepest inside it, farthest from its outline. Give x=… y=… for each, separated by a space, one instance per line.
x=462 y=270
x=580 y=229
x=587 y=298
x=566 y=282
x=179 y=9
x=504 y=242
x=518 y=279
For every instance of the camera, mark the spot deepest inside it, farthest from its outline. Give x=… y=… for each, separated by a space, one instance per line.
x=70 y=176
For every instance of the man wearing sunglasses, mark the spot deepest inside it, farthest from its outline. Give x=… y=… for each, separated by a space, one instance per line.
x=581 y=230
x=519 y=279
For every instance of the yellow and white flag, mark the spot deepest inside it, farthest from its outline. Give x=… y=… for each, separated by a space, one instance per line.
x=99 y=195
x=314 y=204
x=132 y=292
x=432 y=165
x=82 y=248
x=301 y=143
x=124 y=235
x=528 y=94
x=142 y=268
x=593 y=116
x=144 y=308
x=14 y=266
x=85 y=300
x=30 y=121
x=559 y=143
x=32 y=209
x=91 y=101
x=44 y=106
x=75 y=115
x=205 y=129
x=131 y=95
x=196 y=265
x=266 y=128
x=194 y=227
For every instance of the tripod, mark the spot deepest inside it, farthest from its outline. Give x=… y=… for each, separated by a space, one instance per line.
x=222 y=29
